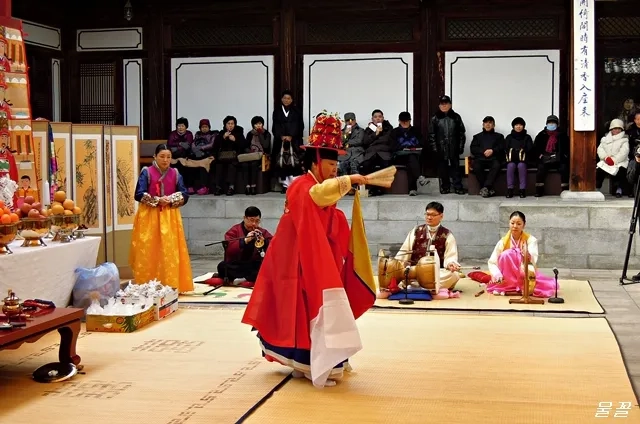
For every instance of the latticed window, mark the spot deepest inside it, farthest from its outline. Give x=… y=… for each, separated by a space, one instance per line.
x=364 y=32
x=97 y=93
x=619 y=27
x=206 y=34
x=499 y=29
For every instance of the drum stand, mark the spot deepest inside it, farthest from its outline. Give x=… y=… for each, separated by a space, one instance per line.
x=406 y=300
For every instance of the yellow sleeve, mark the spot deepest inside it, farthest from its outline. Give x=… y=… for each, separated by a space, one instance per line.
x=330 y=191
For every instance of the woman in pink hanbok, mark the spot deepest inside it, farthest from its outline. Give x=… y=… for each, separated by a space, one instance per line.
x=506 y=262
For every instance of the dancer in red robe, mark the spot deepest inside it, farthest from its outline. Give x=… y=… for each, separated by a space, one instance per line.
x=309 y=291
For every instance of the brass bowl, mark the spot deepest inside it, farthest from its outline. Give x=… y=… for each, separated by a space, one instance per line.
x=34 y=228
x=8 y=233
x=65 y=222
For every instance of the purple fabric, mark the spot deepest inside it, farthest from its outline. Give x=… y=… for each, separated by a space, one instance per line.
x=522 y=175
x=162 y=184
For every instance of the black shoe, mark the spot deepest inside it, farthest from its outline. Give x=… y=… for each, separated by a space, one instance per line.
x=539 y=191
x=284 y=190
x=445 y=190
x=461 y=191
x=253 y=191
x=509 y=193
x=218 y=192
x=231 y=191
x=247 y=191
x=523 y=193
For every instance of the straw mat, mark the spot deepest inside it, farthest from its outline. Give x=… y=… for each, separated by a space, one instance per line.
x=223 y=295
x=578 y=298
x=457 y=369
x=195 y=366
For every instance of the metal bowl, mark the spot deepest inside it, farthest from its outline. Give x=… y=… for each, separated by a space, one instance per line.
x=34 y=228
x=8 y=233
x=65 y=222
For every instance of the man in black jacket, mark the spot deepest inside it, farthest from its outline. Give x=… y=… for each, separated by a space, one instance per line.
x=378 y=145
x=634 y=135
x=447 y=137
x=487 y=149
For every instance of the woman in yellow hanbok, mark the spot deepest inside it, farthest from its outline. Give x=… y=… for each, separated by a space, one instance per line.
x=158 y=246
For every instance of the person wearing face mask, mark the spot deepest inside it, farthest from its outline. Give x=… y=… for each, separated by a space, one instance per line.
x=551 y=151
x=613 y=153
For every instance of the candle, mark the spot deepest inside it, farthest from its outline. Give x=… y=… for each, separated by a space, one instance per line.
x=46 y=193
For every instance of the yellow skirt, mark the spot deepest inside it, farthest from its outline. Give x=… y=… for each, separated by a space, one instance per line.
x=159 y=249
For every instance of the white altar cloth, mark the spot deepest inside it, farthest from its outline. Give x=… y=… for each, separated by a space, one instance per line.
x=46 y=272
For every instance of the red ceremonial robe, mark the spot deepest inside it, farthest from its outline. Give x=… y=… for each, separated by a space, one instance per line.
x=302 y=309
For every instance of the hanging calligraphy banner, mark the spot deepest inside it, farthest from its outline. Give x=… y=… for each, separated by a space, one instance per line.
x=584 y=92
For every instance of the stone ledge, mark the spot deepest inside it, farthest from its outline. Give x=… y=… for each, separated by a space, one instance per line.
x=570 y=234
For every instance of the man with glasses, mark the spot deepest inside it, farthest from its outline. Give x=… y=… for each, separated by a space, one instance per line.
x=242 y=256
x=421 y=237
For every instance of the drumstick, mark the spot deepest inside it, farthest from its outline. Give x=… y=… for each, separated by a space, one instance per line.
x=479 y=293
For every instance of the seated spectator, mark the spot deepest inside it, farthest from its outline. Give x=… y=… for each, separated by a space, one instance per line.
x=201 y=148
x=551 y=151
x=180 y=139
x=487 y=149
x=613 y=153
x=518 y=144
x=408 y=144
x=229 y=143
x=179 y=142
x=379 y=147
x=258 y=144
x=242 y=259
x=353 y=142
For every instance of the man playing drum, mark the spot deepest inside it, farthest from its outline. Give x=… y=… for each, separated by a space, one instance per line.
x=420 y=238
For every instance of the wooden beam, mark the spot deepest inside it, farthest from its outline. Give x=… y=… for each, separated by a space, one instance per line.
x=5 y=8
x=583 y=143
x=287 y=48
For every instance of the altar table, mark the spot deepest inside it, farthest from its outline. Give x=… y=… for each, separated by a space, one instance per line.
x=66 y=320
x=46 y=272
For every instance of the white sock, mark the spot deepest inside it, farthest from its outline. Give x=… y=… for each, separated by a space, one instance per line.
x=297 y=374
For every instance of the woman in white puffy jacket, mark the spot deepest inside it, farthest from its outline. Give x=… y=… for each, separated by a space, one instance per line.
x=613 y=153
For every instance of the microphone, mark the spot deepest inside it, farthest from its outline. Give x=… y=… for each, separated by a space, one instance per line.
x=556 y=299
x=406 y=300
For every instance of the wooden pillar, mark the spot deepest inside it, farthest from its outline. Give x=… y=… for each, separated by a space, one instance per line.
x=582 y=118
x=287 y=48
x=157 y=102
x=5 y=8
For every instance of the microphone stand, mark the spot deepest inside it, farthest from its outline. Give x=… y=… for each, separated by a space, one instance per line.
x=632 y=230
x=406 y=300
x=556 y=299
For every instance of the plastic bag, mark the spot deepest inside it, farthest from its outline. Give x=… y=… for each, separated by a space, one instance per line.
x=103 y=279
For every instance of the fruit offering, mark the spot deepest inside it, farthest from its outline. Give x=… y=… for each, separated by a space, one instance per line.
x=6 y=216
x=63 y=206
x=31 y=209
